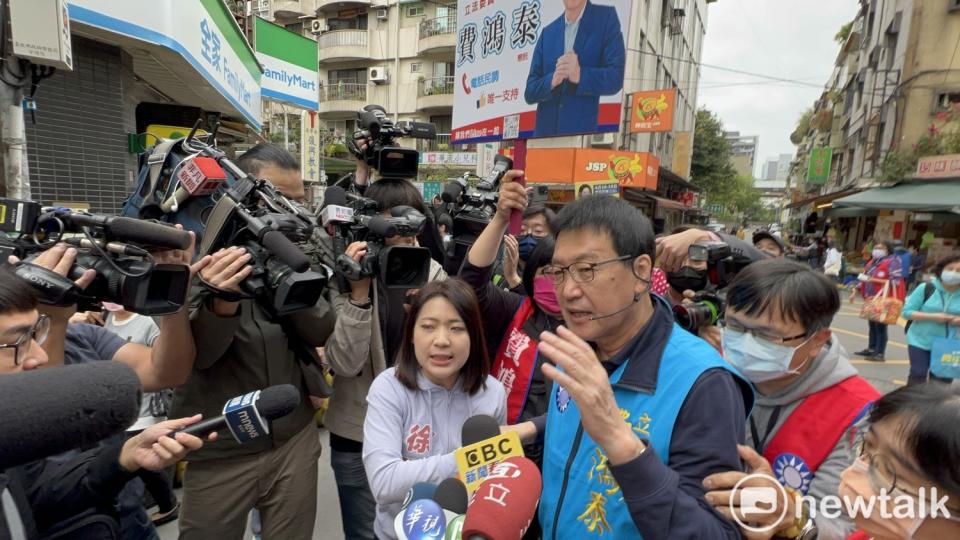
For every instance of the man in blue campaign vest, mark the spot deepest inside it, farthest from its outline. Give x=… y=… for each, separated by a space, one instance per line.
x=641 y=411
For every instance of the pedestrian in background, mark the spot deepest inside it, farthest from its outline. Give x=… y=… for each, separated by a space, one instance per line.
x=933 y=310
x=882 y=268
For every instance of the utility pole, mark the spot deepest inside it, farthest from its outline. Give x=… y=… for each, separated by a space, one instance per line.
x=13 y=142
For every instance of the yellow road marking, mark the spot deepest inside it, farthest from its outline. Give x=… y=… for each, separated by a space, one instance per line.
x=901 y=382
x=893 y=362
x=864 y=336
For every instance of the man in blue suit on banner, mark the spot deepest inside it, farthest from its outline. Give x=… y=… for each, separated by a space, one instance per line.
x=578 y=58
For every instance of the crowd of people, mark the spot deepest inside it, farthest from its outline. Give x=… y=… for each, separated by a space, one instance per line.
x=565 y=334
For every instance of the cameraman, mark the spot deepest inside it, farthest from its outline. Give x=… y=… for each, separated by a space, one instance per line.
x=365 y=340
x=50 y=493
x=242 y=348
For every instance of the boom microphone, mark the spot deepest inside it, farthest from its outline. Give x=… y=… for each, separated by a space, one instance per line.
x=246 y=416
x=48 y=411
x=147 y=233
x=285 y=250
x=505 y=504
x=636 y=298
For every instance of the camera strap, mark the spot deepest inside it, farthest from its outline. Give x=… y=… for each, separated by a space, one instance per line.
x=223 y=294
x=309 y=360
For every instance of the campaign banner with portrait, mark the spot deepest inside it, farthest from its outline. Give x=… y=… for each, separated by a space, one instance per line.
x=585 y=189
x=538 y=68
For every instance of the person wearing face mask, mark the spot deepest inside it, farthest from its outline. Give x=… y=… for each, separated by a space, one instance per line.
x=906 y=451
x=882 y=268
x=364 y=343
x=513 y=321
x=776 y=332
x=933 y=310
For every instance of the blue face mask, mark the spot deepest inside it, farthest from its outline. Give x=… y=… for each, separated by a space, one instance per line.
x=758 y=360
x=527 y=244
x=950 y=277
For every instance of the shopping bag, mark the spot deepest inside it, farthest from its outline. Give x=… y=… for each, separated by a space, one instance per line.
x=883 y=308
x=945 y=357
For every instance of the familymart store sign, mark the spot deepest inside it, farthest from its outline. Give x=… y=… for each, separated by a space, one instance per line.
x=289 y=65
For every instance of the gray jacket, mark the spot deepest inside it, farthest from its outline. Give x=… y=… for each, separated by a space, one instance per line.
x=830 y=367
x=410 y=436
x=355 y=351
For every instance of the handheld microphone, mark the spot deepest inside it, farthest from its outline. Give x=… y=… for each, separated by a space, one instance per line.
x=422 y=520
x=452 y=497
x=505 y=504
x=246 y=416
x=636 y=298
x=484 y=447
x=198 y=176
x=48 y=411
x=419 y=491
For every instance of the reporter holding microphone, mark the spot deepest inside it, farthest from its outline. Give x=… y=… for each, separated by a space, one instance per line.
x=415 y=410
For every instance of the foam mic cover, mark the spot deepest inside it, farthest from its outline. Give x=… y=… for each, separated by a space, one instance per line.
x=335 y=195
x=478 y=428
x=451 y=495
x=419 y=491
x=380 y=226
x=285 y=250
x=451 y=192
x=505 y=504
x=148 y=233
x=48 y=411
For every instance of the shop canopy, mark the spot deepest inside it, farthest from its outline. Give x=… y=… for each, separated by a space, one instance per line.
x=922 y=197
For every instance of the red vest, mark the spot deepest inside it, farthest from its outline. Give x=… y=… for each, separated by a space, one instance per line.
x=813 y=429
x=515 y=361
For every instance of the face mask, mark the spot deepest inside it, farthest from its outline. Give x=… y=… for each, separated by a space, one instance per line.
x=950 y=277
x=854 y=484
x=879 y=253
x=758 y=359
x=527 y=244
x=687 y=279
x=545 y=294
x=111 y=307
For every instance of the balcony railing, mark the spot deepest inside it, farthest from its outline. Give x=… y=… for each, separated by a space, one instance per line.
x=438 y=26
x=336 y=91
x=435 y=86
x=343 y=38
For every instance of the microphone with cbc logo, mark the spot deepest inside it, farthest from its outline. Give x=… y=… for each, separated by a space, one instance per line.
x=483 y=446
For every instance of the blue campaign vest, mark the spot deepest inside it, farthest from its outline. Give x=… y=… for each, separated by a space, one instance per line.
x=592 y=501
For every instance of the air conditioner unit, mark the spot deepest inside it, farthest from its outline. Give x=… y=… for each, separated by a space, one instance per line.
x=377 y=74
x=601 y=139
x=317 y=26
x=383 y=14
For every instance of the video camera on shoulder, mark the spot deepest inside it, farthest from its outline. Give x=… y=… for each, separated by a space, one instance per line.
x=358 y=219
x=383 y=154
x=194 y=183
x=117 y=248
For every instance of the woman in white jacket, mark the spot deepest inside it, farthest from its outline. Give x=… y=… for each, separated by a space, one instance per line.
x=415 y=410
x=834 y=262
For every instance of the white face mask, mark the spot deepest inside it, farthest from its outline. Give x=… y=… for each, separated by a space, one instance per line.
x=758 y=360
x=950 y=277
x=879 y=253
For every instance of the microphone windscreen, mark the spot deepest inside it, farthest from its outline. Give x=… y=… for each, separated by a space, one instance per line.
x=335 y=195
x=478 y=428
x=147 y=233
x=277 y=401
x=380 y=226
x=451 y=192
x=451 y=495
x=49 y=411
x=285 y=250
x=505 y=504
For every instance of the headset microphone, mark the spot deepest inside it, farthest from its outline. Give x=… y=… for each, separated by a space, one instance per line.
x=636 y=298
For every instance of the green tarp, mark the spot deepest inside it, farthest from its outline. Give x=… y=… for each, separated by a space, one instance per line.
x=920 y=197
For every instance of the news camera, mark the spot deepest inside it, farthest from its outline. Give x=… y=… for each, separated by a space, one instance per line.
x=190 y=181
x=706 y=307
x=382 y=153
x=358 y=219
x=117 y=248
x=473 y=207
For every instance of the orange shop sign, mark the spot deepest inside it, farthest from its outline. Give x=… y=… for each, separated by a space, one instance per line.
x=652 y=110
x=939 y=166
x=572 y=165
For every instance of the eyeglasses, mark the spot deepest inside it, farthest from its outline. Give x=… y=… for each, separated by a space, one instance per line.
x=880 y=469
x=772 y=338
x=39 y=332
x=581 y=272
